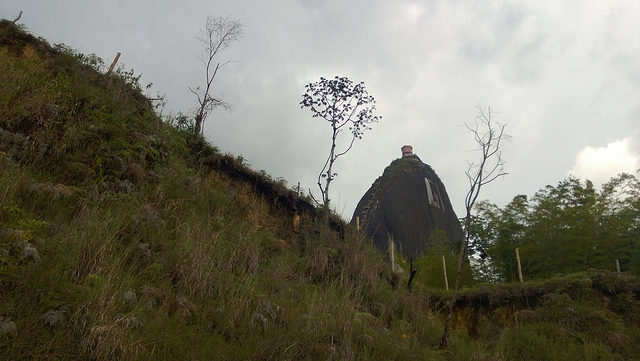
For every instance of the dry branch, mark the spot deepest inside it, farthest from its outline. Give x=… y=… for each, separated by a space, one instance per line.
x=489 y=137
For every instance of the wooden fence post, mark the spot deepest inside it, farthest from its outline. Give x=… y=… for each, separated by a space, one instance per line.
x=519 y=267
x=444 y=267
x=358 y=223
x=296 y=222
x=393 y=253
x=412 y=272
x=113 y=64
x=618 y=266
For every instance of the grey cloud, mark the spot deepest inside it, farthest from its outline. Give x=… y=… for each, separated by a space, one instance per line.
x=563 y=77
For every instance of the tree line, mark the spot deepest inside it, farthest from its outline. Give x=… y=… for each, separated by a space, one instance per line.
x=569 y=227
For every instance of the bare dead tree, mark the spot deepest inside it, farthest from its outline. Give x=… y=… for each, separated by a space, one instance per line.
x=489 y=137
x=342 y=104
x=217 y=35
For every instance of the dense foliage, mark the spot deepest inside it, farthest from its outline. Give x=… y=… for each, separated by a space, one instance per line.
x=566 y=228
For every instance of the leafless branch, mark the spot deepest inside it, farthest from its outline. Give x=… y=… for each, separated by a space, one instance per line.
x=314 y=198
x=18 y=18
x=322 y=171
x=217 y=35
x=346 y=150
x=489 y=138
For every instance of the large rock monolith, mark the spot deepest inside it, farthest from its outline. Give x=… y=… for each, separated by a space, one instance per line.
x=405 y=205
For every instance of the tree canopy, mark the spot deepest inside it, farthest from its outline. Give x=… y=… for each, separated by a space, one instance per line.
x=566 y=228
x=342 y=104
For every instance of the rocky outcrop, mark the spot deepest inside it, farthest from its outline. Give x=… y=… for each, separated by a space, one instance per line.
x=406 y=204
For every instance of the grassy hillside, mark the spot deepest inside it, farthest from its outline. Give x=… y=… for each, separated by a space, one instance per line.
x=123 y=236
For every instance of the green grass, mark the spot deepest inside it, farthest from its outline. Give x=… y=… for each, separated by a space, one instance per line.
x=153 y=246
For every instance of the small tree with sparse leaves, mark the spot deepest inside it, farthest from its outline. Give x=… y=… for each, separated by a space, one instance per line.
x=345 y=106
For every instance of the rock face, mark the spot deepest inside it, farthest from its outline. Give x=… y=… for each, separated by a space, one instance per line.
x=406 y=204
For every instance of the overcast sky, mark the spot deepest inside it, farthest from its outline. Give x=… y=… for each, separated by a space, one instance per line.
x=563 y=75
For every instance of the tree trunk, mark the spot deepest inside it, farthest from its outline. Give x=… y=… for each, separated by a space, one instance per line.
x=198 y=122
x=451 y=303
x=329 y=171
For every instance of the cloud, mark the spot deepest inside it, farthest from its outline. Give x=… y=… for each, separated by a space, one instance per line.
x=600 y=164
x=562 y=75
